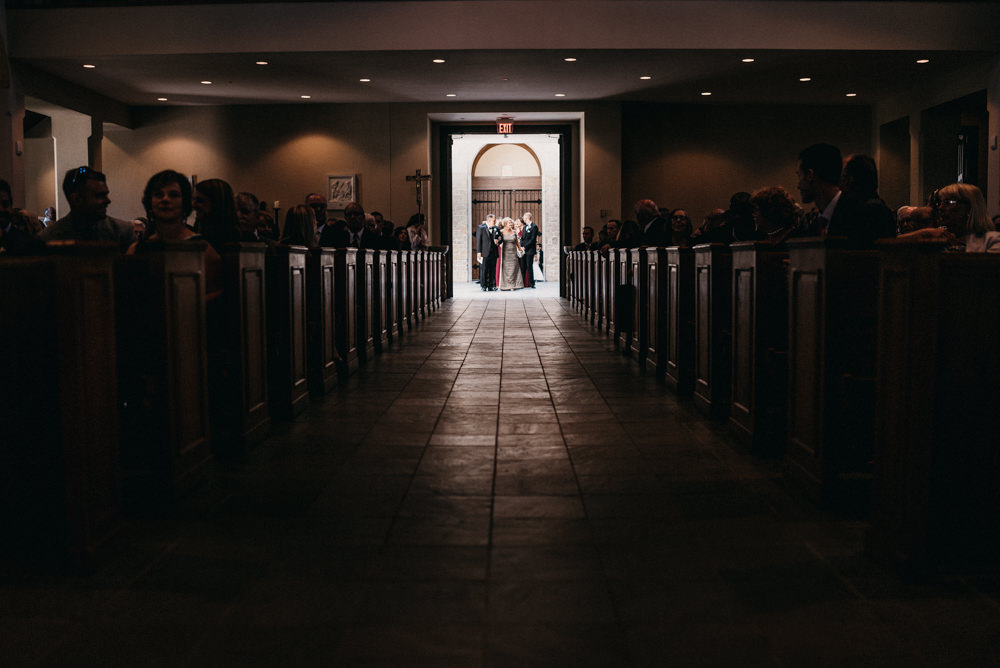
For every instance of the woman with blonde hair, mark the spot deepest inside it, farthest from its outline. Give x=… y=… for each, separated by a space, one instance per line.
x=510 y=257
x=964 y=224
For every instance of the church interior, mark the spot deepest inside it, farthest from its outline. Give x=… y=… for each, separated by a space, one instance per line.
x=498 y=480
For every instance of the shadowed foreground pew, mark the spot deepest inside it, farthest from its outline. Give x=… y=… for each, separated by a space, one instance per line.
x=713 y=290
x=601 y=284
x=640 y=304
x=678 y=309
x=760 y=347
x=935 y=493
x=238 y=353
x=624 y=300
x=160 y=313
x=364 y=301
x=322 y=288
x=288 y=390
x=59 y=456
x=833 y=302
x=345 y=289
x=380 y=299
x=405 y=275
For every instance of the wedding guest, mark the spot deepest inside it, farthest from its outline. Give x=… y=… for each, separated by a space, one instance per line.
x=529 y=242
x=418 y=235
x=611 y=233
x=775 y=214
x=215 y=213
x=16 y=236
x=653 y=230
x=629 y=236
x=588 y=242
x=300 y=227
x=680 y=228
x=87 y=192
x=965 y=224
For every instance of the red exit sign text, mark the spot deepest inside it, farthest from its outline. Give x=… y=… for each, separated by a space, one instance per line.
x=505 y=127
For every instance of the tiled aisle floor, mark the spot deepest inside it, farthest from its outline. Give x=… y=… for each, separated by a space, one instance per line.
x=500 y=490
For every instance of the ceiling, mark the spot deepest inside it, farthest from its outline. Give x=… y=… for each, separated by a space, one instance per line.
x=141 y=54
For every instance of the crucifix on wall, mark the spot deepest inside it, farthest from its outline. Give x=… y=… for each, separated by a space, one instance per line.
x=419 y=178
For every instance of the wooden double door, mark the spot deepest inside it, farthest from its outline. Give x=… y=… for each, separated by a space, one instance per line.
x=512 y=202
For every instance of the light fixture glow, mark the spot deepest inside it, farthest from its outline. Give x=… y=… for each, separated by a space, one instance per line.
x=923 y=61
x=438 y=60
x=161 y=99
x=851 y=95
x=748 y=60
x=706 y=93
x=89 y=67
x=306 y=97
x=207 y=83
x=805 y=79
x=451 y=94
x=570 y=60
x=364 y=80
x=645 y=78
x=262 y=62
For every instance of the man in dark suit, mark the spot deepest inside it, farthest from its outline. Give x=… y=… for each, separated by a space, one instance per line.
x=588 y=241
x=359 y=236
x=819 y=172
x=655 y=230
x=487 y=253
x=529 y=242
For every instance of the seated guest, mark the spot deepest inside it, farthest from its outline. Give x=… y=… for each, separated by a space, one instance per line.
x=588 y=240
x=859 y=183
x=359 y=236
x=921 y=217
x=266 y=226
x=417 y=233
x=215 y=213
x=87 y=192
x=167 y=198
x=904 y=220
x=740 y=218
x=629 y=236
x=775 y=214
x=386 y=231
x=140 y=227
x=653 y=228
x=680 y=228
x=300 y=227
x=402 y=238
x=610 y=234
x=965 y=224
x=714 y=229
x=248 y=217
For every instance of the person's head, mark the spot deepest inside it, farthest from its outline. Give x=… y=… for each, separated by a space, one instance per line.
x=416 y=221
x=371 y=224
x=507 y=224
x=518 y=224
x=629 y=231
x=613 y=227
x=773 y=209
x=996 y=220
x=602 y=235
x=645 y=211
x=402 y=236
x=50 y=213
x=680 y=221
x=300 y=226
x=354 y=216
x=167 y=197
x=819 y=169
x=380 y=222
x=526 y=217
x=921 y=217
x=317 y=204
x=962 y=209
x=588 y=235
x=904 y=219
x=491 y=220
x=247 y=212
x=215 y=210
x=139 y=227
x=6 y=204
x=859 y=177
x=87 y=192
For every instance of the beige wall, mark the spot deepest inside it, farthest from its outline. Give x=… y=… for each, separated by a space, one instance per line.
x=695 y=157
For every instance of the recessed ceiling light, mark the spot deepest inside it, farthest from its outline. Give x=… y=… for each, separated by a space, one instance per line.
x=207 y=83
x=364 y=80
x=451 y=94
x=924 y=61
x=706 y=93
x=438 y=60
x=748 y=60
x=805 y=79
x=851 y=95
x=570 y=60
x=560 y=94
x=306 y=97
x=161 y=99
x=89 y=67
x=645 y=78
x=262 y=62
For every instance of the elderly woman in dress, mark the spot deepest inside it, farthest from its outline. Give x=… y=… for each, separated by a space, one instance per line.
x=964 y=224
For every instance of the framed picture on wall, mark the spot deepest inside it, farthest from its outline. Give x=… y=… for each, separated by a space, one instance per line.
x=341 y=191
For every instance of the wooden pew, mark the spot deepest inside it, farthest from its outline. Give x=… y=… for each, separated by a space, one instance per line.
x=640 y=305
x=613 y=280
x=603 y=281
x=322 y=284
x=237 y=348
x=380 y=298
x=589 y=295
x=624 y=301
x=392 y=305
x=760 y=347
x=678 y=310
x=419 y=284
x=833 y=304
x=406 y=316
x=935 y=492
x=364 y=303
x=60 y=481
x=713 y=267
x=287 y=326
x=162 y=370
x=656 y=319
x=345 y=304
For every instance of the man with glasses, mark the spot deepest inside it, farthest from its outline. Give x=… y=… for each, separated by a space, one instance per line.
x=87 y=192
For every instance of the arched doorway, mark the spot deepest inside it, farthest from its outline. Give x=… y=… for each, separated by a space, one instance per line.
x=491 y=174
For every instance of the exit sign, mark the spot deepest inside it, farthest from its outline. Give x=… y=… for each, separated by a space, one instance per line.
x=505 y=127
